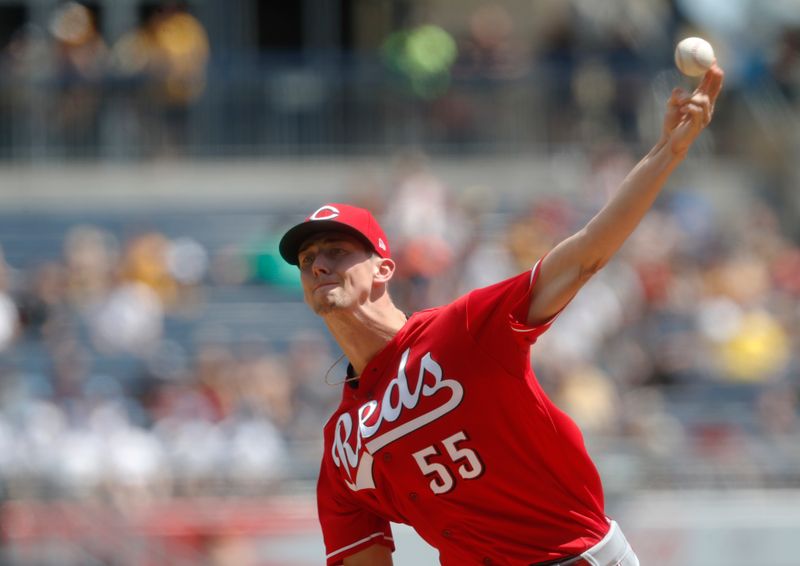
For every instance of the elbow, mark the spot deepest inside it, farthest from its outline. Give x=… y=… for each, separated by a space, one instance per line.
x=594 y=252
x=588 y=269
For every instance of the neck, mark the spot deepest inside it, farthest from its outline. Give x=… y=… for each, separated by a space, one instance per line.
x=363 y=333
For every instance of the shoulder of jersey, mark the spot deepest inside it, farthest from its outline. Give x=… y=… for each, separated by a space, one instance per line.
x=424 y=313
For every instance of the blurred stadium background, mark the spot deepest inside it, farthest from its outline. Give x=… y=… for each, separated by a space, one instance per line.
x=161 y=382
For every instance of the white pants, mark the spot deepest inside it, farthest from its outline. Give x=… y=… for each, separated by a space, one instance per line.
x=613 y=550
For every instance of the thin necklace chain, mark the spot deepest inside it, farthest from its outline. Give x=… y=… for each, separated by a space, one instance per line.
x=335 y=383
x=346 y=379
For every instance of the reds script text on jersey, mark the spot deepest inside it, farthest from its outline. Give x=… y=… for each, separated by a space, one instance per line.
x=449 y=432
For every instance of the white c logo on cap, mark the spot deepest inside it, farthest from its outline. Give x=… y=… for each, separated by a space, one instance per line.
x=325 y=213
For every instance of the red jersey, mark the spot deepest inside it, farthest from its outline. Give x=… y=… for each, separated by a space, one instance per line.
x=449 y=432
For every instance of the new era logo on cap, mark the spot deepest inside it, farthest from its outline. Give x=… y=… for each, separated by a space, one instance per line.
x=352 y=220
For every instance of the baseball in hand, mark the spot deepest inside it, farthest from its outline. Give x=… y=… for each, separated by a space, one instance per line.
x=694 y=56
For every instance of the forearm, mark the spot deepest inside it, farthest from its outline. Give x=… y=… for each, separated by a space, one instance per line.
x=608 y=230
x=572 y=262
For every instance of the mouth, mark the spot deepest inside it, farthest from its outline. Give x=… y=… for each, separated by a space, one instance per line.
x=323 y=285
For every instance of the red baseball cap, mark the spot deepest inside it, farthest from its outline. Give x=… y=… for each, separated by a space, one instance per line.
x=337 y=217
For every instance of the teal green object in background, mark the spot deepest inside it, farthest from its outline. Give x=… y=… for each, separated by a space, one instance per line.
x=267 y=266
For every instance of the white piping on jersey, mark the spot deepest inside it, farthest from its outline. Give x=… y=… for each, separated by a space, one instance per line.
x=533 y=272
x=525 y=329
x=533 y=275
x=355 y=544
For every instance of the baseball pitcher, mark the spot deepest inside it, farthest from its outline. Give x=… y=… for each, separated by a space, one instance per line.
x=442 y=424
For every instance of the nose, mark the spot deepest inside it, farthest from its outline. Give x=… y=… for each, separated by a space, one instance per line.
x=319 y=267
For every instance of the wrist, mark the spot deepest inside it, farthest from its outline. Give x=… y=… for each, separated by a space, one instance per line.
x=665 y=149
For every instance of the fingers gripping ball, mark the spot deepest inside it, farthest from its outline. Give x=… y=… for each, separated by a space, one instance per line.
x=694 y=56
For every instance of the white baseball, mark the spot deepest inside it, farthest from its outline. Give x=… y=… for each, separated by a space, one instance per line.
x=694 y=56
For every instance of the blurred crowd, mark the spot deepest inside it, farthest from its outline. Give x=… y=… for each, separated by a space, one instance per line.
x=496 y=76
x=65 y=85
x=103 y=393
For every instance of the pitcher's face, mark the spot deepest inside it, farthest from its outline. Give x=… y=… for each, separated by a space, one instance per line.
x=336 y=271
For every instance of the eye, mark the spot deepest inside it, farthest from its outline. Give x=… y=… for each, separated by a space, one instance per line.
x=306 y=260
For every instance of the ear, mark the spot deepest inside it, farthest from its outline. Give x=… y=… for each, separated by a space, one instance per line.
x=384 y=269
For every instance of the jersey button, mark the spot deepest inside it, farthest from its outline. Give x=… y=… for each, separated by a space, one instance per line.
x=387 y=457
x=412 y=496
x=447 y=533
x=488 y=561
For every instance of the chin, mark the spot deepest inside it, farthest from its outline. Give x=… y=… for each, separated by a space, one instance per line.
x=328 y=306
x=324 y=309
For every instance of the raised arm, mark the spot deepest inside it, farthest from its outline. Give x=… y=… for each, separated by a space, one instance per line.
x=375 y=555
x=572 y=262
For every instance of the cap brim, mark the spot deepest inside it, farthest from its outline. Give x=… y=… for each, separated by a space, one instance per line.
x=289 y=245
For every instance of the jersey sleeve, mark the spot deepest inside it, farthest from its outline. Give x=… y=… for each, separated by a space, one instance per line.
x=497 y=316
x=346 y=527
